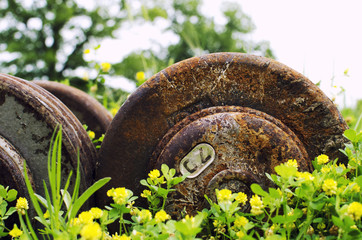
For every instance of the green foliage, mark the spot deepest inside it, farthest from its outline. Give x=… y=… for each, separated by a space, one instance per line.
x=6 y=196
x=197 y=34
x=323 y=204
x=353 y=115
x=55 y=220
x=47 y=38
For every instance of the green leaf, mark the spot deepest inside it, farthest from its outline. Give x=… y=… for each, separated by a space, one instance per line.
x=317 y=220
x=274 y=193
x=67 y=198
x=337 y=221
x=258 y=190
x=177 y=180
x=3 y=208
x=279 y=219
x=11 y=195
x=358 y=180
x=86 y=195
x=285 y=171
x=3 y=192
x=350 y=134
x=144 y=182
x=317 y=205
x=164 y=170
x=10 y=211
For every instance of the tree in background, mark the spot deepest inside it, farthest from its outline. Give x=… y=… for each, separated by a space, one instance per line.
x=197 y=33
x=45 y=39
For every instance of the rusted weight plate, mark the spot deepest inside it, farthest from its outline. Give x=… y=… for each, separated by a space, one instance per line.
x=86 y=108
x=29 y=116
x=221 y=79
x=224 y=147
x=12 y=168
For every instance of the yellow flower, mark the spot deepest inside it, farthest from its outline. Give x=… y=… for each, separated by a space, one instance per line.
x=119 y=195
x=85 y=217
x=93 y=88
x=240 y=221
x=341 y=165
x=154 y=174
x=162 y=216
x=85 y=76
x=223 y=195
x=114 y=111
x=146 y=193
x=91 y=135
x=46 y=214
x=91 y=231
x=241 y=198
x=86 y=51
x=15 y=232
x=96 y=212
x=144 y=215
x=105 y=66
x=257 y=205
x=140 y=76
x=22 y=205
x=325 y=169
x=322 y=159
x=123 y=237
x=292 y=163
x=75 y=222
x=240 y=234
x=354 y=187
x=355 y=210
x=307 y=176
x=329 y=186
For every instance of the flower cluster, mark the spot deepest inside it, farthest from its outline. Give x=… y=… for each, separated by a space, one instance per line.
x=22 y=205
x=120 y=195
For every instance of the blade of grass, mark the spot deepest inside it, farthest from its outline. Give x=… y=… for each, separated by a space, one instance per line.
x=23 y=226
x=84 y=197
x=58 y=142
x=30 y=227
x=77 y=180
x=32 y=195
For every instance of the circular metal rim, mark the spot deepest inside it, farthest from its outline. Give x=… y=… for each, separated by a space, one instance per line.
x=75 y=138
x=256 y=82
x=13 y=163
x=89 y=104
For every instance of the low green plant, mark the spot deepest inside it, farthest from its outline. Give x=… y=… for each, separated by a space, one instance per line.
x=6 y=196
x=323 y=204
x=55 y=210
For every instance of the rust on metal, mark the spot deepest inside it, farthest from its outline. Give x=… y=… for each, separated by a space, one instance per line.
x=244 y=140
x=255 y=112
x=29 y=116
x=86 y=108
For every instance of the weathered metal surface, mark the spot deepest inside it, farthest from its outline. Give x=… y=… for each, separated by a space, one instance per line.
x=12 y=168
x=86 y=108
x=137 y=137
x=29 y=116
x=244 y=140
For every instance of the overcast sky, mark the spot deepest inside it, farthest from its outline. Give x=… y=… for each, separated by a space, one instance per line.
x=318 y=38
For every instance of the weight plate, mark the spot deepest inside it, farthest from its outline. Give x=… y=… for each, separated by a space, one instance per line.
x=220 y=79
x=86 y=108
x=29 y=116
x=224 y=147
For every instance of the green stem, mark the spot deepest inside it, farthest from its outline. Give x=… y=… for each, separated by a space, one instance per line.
x=307 y=223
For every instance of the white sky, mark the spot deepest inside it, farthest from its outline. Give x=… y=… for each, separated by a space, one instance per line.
x=318 y=38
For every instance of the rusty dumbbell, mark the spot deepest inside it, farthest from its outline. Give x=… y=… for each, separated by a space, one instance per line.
x=28 y=117
x=86 y=108
x=224 y=119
